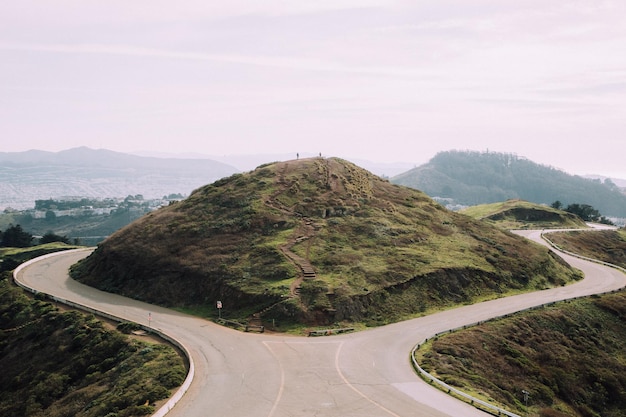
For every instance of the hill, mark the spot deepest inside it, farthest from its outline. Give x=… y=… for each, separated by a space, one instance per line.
x=315 y=241
x=59 y=362
x=32 y=175
x=473 y=178
x=569 y=357
x=519 y=214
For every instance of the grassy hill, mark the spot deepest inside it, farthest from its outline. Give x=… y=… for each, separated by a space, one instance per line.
x=570 y=357
x=473 y=178
x=59 y=363
x=316 y=242
x=519 y=214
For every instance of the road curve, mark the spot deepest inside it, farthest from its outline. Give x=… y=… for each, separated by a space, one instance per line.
x=259 y=375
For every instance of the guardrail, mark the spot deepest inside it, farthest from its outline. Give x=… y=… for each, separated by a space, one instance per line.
x=475 y=401
x=171 y=402
x=451 y=390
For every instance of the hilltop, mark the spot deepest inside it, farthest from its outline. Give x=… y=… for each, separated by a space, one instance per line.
x=315 y=241
x=472 y=178
x=519 y=214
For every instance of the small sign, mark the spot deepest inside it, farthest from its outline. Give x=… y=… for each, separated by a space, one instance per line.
x=219 y=304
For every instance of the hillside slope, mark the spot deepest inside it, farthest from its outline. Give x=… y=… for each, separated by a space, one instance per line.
x=605 y=245
x=473 y=178
x=315 y=241
x=66 y=363
x=570 y=357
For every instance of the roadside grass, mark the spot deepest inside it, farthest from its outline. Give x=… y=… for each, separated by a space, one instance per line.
x=568 y=356
x=57 y=362
x=605 y=245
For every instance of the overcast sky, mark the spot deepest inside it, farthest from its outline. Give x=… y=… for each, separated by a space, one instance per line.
x=361 y=79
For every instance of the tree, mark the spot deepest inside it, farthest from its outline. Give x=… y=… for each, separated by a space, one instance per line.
x=51 y=217
x=15 y=237
x=557 y=205
x=584 y=211
x=51 y=237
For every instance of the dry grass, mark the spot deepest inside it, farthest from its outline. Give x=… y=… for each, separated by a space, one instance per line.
x=570 y=357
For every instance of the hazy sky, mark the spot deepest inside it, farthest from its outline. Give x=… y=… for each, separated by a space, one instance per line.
x=360 y=79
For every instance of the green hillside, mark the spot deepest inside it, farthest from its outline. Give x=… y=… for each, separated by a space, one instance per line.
x=315 y=241
x=519 y=214
x=65 y=363
x=473 y=178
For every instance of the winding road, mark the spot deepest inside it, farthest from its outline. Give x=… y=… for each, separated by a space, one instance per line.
x=260 y=375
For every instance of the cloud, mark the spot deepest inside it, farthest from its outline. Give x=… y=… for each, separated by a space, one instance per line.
x=295 y=63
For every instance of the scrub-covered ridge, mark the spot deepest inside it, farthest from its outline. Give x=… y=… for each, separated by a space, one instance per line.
x=315 y=241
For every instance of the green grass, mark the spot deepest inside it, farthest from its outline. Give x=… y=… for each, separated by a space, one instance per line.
x=34 y=251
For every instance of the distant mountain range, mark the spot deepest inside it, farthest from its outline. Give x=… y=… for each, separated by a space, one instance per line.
x=458 y=177
x=471 y=178
x=32 y=175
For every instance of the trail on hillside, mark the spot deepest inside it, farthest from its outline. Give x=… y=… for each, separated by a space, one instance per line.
x=304 y=231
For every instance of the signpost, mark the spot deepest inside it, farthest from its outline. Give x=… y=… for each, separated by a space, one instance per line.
x=526 y=395
x=219 y=309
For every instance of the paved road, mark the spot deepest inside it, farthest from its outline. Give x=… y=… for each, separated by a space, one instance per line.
x=259 y=375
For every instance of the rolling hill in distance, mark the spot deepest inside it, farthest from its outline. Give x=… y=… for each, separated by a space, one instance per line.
x=519 y=214
x=470 y=178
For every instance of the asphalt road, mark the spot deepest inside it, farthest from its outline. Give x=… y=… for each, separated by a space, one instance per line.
x=260 y=375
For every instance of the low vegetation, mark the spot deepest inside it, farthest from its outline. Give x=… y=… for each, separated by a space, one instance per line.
x=569 y=357
x=66 y=363
x=605 y=245
x=378 y=252
x=519 y=214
